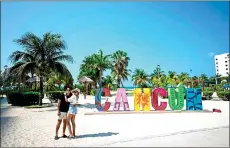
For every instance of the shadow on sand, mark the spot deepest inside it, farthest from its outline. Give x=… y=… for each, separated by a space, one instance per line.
x=96 y=135
x=87 y=105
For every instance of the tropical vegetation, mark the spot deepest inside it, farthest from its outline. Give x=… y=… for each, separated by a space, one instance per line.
x=42 y=58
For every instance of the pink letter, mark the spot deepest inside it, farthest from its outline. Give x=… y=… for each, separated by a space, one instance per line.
x=121 y=92
x=154 y=101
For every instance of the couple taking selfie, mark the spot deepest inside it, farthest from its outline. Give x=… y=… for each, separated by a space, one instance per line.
x=67 y=111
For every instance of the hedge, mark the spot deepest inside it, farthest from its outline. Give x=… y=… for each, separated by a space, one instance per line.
x=225 y=95
x=54 y=95
x=23 y=99
x=207 y=95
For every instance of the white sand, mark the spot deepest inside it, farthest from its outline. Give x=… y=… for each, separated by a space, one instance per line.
x=36 y=127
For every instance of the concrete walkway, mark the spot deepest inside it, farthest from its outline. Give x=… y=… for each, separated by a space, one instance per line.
x=214 y=137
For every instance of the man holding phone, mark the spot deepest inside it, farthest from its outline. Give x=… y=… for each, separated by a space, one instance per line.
x=63 y=108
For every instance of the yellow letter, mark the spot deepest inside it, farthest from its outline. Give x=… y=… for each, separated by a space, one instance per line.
x=142 y=99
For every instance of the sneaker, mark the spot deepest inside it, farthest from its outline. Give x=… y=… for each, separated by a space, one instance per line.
x=56 y=138
x=71 y=137
x=64 y=136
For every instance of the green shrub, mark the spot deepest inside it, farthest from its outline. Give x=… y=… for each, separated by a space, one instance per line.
x=208 y=89
x=54 y=95
x=207 y=95
x=23 y=99
x=31 y=98
x=15 y=98
x=225 y=95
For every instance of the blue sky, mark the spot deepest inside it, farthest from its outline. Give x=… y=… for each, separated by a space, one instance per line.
x=178 y=36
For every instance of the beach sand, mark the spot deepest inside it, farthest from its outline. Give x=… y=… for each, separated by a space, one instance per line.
x=36 y=127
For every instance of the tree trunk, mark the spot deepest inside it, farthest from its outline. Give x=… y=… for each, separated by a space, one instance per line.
x=85 y=91
x=203 y=85
x=35 y=87
x=32 y=75
x=118 y=83
x=95 y=84
x=41 y=91
x=101 y=72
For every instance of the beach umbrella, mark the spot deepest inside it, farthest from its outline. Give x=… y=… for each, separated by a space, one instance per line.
x=85 y=79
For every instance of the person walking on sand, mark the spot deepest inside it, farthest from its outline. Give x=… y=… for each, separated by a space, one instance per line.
x=63 y=108
x=72 y=111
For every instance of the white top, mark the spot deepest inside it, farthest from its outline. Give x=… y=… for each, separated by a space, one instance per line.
x=73 y=99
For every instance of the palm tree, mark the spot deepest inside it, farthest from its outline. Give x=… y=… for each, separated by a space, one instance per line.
x=101 y=62
x=47 y=53
x=87 y=69
x=94 y=65
x=184 y=78
x=120 y=75
x=157 y=73
x=194 y=81
x=19 y=58
x=172 y=78
x=172 y=74
x=140 y=78
x=203 y=78
x=120 y=62
x=56 y=78
x=157 y=78
x=212 y=80
x=109 y=81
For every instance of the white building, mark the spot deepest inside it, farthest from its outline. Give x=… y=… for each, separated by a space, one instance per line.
x=222 y=64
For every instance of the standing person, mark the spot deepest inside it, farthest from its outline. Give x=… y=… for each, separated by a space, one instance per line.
x=63 y=108
x=72 y=111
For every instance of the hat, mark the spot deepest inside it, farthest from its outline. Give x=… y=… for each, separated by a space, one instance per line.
x=76 y=89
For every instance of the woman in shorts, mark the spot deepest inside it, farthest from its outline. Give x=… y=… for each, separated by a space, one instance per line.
x=72 y=111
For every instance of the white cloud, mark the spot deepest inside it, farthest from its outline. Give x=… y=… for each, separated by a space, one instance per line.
x=211 y=54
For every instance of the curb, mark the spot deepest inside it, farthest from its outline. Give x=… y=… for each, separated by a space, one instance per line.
x=146 y=112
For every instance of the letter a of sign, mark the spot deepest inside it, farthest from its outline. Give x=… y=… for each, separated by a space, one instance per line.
x=142 y=99
x=98 y=100
x=121 y=93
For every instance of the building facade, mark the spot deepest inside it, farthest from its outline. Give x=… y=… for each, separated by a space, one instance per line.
x=222 y=64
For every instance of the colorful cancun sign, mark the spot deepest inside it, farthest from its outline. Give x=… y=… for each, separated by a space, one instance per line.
x=143 y=97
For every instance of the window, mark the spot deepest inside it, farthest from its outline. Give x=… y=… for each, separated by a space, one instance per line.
x=226 y=61
x=216 y=59
x=216 y=62
x=217 y=70
x=226 y=65
x=226 y=68
x=226 y=72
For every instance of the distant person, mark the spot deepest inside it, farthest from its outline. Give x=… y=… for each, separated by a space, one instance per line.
x=72 y=111
x=63 y=107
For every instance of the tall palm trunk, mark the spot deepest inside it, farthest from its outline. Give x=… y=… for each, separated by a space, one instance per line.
x=35 y=86
x=41 y=91
x=100 y=74
x=202 y=85
x=118 y=83
x=32 y=75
